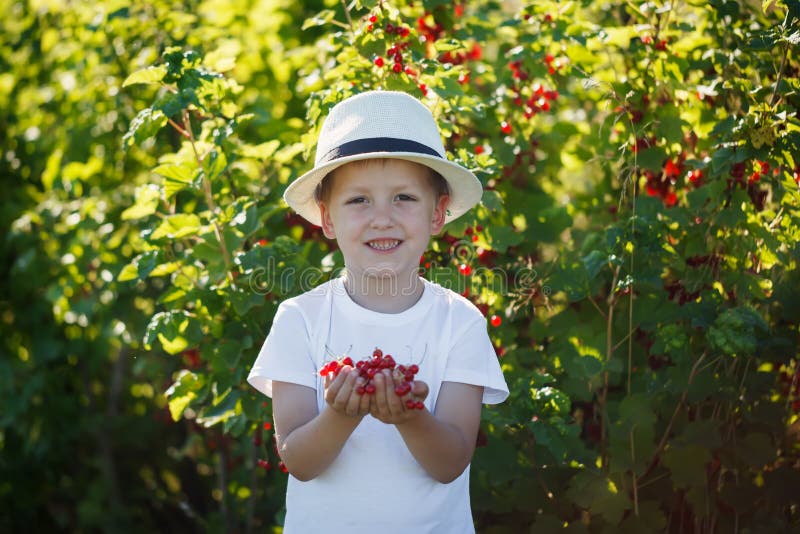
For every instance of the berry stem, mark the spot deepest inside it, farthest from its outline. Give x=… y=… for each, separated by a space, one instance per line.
x=347 y=15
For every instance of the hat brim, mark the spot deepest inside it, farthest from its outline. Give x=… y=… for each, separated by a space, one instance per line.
x=465 y=188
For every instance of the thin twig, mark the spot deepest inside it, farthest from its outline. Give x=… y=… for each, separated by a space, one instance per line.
x=621 y=342
x=609 y=351
x=209 y=196
x=222 y=480
x=633 y=476
x=347 y=14
x=776 y=221
x=178 y=128
x=250 y=513
x=793 y=386
x=596 y=307
x=774 y=99
x=681 y=402
x=653 y=480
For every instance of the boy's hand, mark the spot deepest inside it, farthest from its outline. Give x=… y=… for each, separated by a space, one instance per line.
x=341 y=396
x=389 y=407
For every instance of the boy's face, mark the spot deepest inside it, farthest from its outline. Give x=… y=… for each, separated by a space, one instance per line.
x=382 y=215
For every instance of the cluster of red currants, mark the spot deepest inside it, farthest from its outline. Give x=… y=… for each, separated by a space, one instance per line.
x=367 y=369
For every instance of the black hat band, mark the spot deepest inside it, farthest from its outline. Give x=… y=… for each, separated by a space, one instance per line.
x=376 y=144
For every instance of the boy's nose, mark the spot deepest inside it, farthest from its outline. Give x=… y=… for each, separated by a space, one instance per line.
x=382 y=216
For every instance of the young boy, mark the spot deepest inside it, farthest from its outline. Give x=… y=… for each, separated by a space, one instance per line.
x=381 y=187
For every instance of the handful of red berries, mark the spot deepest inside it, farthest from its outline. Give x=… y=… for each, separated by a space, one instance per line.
x=369 y=367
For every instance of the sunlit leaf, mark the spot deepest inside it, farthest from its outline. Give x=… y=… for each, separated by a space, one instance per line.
x=147 y=75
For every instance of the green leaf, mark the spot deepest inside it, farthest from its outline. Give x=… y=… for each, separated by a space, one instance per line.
x=258 y=258
x=652 y=158
x=594 y=263
x=320 y=19
x=209 y=251
x=651 y=519
x=141 y=266
x=145 y=125
x=550 y=400
x=636 y=410
x=572 y=279
x=128 y=273
x=223 y=409
x=687 y=464
x=262 y=151
x=671 y=127
x=180 y=172
x=175 y=329
x=214 y=164
x=178 y=226
x=244 y=300
x=781 y=485
x=670 y=338
x=736 y=331
x=674 y=67
x=172 y=295
x=757 y=450
x=594 y=492
x=701 y=433
x=173 y=344
x=244 y=216
x=177 y=176
x=147 y=75
x=182 y=392
x=611 y=507
x=165 y=269
x=763 y=41
x=229 y=351
x=147 y=199
x=235 y=425
x=492 y=200
x=502 y=237
x=446 y=45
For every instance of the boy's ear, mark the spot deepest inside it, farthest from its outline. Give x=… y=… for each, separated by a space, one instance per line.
x=327 y=222
x=439 y=214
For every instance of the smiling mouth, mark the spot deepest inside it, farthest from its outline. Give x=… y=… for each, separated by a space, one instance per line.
x=383 y=244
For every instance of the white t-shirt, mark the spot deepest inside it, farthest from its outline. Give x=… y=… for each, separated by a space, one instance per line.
x=375 y=484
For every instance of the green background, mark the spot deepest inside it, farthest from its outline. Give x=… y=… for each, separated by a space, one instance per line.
x=635 y=251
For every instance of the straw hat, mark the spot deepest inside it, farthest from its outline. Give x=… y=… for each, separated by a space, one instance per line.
x=382 y=124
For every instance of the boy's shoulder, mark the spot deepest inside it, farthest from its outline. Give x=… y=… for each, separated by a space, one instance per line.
x=312 y=298
x=459 y=305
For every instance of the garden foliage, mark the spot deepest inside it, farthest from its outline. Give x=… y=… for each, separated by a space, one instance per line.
x=635 y=252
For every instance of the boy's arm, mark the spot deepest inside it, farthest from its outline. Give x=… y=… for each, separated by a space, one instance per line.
x=308 y=440
x=443 y=443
